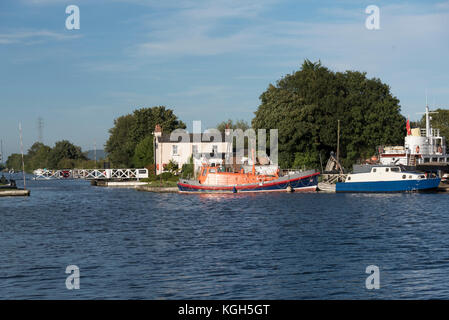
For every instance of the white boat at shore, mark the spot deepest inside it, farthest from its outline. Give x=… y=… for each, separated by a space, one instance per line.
x=421 y=146
x=388 y=179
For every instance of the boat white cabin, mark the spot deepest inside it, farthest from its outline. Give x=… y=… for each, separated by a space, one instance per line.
x=421 y=146
x=384 y=174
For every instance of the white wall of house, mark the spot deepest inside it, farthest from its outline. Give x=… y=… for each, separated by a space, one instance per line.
x=180 y=152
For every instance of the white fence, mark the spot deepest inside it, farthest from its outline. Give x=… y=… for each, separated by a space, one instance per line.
x=91 y=174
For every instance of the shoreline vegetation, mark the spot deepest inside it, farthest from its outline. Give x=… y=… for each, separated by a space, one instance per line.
x=305 y=106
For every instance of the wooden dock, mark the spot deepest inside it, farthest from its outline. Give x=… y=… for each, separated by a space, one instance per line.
x=443 y=187
x=14 y=193
x=149 y=188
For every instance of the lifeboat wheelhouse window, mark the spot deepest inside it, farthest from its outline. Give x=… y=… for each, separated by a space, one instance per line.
x=204 y=172
x=212 y=170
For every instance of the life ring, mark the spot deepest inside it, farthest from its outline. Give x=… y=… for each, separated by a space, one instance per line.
x=417 y=149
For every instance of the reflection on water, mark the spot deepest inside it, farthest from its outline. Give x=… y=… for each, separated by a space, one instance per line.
x=140 y=245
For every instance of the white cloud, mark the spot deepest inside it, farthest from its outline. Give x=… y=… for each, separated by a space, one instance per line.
x=30 y=37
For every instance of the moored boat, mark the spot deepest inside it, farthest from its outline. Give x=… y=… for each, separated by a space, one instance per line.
x=388 y=179
x=216 y=179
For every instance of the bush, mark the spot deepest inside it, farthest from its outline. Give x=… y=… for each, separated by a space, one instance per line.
x=187 y=171
x=168 y=176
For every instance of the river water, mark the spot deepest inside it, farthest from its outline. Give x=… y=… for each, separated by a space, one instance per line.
x=138 y=245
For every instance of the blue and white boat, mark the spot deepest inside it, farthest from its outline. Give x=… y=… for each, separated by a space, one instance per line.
x=387 y=179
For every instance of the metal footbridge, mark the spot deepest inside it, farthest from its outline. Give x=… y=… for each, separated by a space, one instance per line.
x=91 y=174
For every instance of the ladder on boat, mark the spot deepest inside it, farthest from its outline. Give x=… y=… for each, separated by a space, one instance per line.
x=412 y=160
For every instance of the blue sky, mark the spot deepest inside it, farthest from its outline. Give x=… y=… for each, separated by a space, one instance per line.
x=207 y=60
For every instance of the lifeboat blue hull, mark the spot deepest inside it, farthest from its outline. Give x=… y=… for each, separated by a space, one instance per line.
x=389 y=186
x=303 y=183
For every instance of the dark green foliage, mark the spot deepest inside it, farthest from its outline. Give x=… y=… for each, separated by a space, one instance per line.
x=187 y=170
x=306 y=105
x=143 y=154
x=14 y=162
x=64 y=154
x=439 y=120
x=239 y=124
x=168 y=176
x=119 y=146
x=130 y=130
x=172 y=167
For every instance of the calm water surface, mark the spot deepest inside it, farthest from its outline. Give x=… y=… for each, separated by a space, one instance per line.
x=137 y=245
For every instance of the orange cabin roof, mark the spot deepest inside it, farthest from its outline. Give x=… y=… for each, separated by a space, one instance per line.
x=218 y=176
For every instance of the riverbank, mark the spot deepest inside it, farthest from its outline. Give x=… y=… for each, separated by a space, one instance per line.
x=150 y=188
x=117 y=184
x=14 y=193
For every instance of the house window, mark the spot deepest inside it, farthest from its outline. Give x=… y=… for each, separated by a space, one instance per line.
x=194 y=149
x=175 y=150
x=214 y=150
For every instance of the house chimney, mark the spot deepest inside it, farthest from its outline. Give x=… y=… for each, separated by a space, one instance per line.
x=157 y=131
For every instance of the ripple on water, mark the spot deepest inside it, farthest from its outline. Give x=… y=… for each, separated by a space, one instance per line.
x=135 y=245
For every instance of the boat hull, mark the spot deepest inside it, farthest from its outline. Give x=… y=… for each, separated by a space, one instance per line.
x=389 y=186
x=301 y=183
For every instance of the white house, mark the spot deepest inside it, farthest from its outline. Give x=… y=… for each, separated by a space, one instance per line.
x=203 y=148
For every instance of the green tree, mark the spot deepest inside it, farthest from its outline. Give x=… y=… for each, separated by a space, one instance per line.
x=130 y=130
x=143 y=154
x=439 y=120
x=14 y=162
x=172 y=167
x=64 y=150
x=120 y=146
x=37 y=157
x=305 y=106
x=239 y=124
x=187 y=170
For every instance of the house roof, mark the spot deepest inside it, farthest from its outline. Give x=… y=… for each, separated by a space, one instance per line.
x=201 y=138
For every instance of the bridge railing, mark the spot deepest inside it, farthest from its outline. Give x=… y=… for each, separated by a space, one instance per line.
x=91 y=174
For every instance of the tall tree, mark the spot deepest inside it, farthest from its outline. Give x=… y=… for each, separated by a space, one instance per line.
x=143 y=155
x=37 y=157
x=62 y=151
x=439 y=120
x=130 y=130
x=14 y=162
x=305 y=106
x=120 y=146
